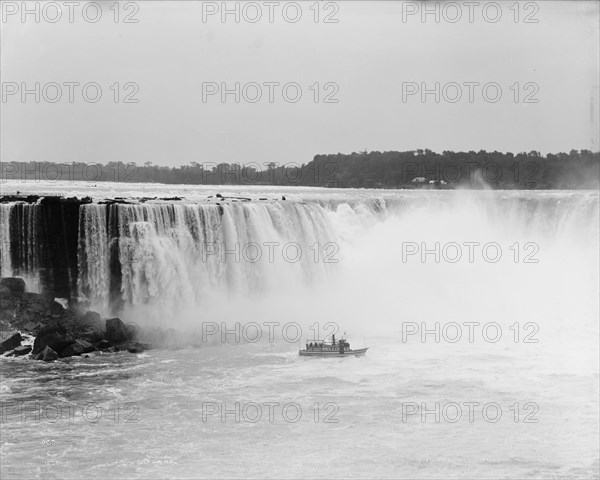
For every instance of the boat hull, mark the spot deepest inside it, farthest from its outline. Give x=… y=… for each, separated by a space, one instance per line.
x=318 y=353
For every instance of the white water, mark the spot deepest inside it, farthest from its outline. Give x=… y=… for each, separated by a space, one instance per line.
x=174 y=258
x=5 y=261
x=370 y=292
x=27 y=240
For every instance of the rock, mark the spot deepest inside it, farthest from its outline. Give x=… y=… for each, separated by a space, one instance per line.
x=117 y=331
x=90 y=326
x=13 y=285
x=95 y=353
x=77 y=348
x=137 y=347
x=87 y=326
x=103 y=344
x=9 y=340
x=34 y=307
x=79 y=307
x=64 y=302
x=53 y=337
x=47 y=354
x=22 y=350
x=91 y=318
x=30 y=326
x=11 y=292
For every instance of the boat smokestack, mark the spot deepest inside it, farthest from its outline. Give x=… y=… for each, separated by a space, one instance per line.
x=333 y=338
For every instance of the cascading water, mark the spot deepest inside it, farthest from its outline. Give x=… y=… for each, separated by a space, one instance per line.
x=5 y=257
x=152 y=263
x=19 y=242
x=173 y=264
x=177 y=257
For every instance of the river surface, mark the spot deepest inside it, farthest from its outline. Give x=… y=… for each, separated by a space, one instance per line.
x=478 y=367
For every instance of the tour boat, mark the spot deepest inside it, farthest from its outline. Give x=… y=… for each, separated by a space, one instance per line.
x=321 y=348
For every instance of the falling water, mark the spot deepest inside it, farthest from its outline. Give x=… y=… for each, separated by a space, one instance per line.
x=5 y=260
x=175 y=256
x=19 y=239
x=153 y=261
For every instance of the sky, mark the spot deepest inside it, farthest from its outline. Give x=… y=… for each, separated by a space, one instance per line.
x=354 y=74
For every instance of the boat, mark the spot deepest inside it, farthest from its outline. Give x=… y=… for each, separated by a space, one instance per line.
x=322 y=348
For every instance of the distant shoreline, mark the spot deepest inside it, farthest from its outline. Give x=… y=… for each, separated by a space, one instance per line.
x=421 y=169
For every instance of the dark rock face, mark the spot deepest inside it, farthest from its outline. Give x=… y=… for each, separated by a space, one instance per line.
x=22 y=350
x=52 y=337
x=117 y=331
x=78 y=347
x=12 y=290
x=47 y=354
x=34 y=307
x=60 y=332
x=103 y=344
x=137 y=347
x=91 y=318
x=51 y=226
x=9 y=340
x=12 y=285
x=88 y=327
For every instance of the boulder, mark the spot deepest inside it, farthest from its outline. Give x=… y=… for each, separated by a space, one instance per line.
x=103 y=344
x=34 y=307
x=117 y=331
x=47 y=354
x=14 y=286
x=22 y=350
x=91 y=318
x=11 y=292
x=78 y=347
x=53 y=337
x=89 y=326
x=9 y=340
x=137 y=347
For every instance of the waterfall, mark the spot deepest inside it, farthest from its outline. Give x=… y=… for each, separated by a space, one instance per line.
x=19 y=237
x=175 y=256
x=5 y=251
x=173 y=260
x=93 y=255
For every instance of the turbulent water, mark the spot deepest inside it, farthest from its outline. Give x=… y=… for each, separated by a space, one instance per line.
x=514 y=273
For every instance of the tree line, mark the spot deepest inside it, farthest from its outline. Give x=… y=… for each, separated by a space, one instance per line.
x=409 y=169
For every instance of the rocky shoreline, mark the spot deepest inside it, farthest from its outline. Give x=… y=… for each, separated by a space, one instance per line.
x=39 y=327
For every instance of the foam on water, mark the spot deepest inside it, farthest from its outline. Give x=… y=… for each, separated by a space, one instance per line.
x=370 y=292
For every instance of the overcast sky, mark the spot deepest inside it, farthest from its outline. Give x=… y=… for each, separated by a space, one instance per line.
x=367 y=59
